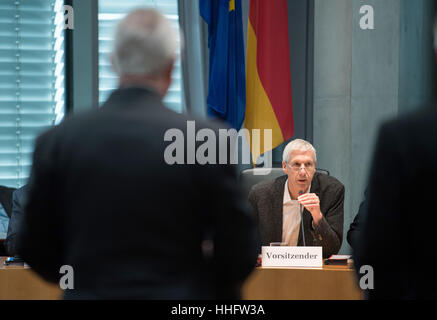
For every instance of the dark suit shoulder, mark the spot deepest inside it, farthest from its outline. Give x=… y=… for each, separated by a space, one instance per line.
x=325 y=182
x=45 y=140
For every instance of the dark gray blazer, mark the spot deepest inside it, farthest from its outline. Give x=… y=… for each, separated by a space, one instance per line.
x=394 y=239
x=267 y=200
x=103 y=200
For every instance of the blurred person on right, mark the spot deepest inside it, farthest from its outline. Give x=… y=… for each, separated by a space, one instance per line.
x=397 y=239
x=103 y=200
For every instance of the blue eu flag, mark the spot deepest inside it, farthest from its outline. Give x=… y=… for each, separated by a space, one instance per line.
x=227 y=83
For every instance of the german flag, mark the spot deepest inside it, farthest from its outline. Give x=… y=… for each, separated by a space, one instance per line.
x=268 y=75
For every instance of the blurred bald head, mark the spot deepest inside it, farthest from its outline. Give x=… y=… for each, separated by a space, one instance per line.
x=144 y=50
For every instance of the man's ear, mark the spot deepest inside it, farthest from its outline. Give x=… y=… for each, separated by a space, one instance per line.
x=167 y=74
x=284 y=167
x=169 y=69
x=114 y=66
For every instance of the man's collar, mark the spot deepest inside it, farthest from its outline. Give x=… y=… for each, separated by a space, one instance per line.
x=125 y=97
x=287 y=196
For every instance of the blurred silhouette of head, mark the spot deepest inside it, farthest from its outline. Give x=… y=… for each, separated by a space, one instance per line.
x=144 y=50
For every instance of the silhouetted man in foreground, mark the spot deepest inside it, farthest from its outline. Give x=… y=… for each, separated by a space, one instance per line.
x=103 y=200
x=398 y=238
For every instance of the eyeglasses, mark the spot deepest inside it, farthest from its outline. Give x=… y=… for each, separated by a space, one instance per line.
x=309 y=166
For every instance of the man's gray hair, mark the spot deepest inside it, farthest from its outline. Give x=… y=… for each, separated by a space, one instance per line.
x=144 y=44
x=298 y=144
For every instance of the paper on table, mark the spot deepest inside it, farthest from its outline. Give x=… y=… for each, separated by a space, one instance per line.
x=339 y=257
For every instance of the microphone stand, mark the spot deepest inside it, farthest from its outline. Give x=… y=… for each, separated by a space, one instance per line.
x=301 y=221
x=301 y=225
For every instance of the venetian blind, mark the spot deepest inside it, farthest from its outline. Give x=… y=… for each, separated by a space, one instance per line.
x=31 y=80
x=110 y=13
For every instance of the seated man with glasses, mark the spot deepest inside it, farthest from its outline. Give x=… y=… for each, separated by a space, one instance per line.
x=277 y=203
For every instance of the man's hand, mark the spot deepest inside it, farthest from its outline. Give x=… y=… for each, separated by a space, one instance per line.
x=311 y=202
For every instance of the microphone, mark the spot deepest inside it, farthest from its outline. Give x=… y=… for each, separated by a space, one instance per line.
x=301 y=220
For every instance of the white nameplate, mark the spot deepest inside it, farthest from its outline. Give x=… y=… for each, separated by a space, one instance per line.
x=292 y=257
